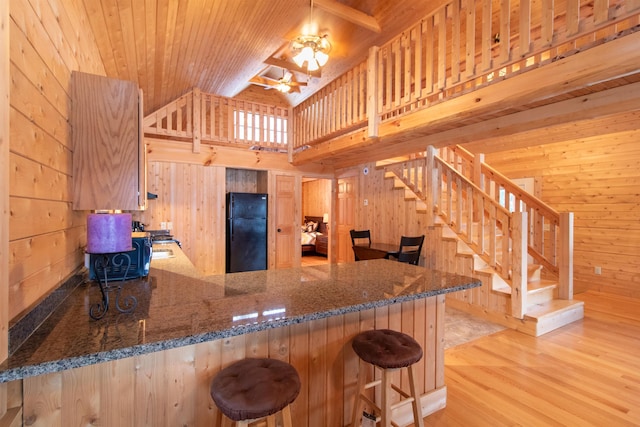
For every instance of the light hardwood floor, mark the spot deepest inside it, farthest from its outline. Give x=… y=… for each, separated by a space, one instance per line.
x=585 y=374
x=313 y=260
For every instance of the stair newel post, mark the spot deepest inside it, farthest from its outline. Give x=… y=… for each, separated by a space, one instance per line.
x=372 y=92
x=519 y=227
x=565 y=263
x=431 y=195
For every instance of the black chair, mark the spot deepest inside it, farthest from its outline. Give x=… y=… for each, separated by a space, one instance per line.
x=359 y=235
x=410 y=248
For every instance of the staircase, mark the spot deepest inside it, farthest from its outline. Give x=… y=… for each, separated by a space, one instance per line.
x=482 y=225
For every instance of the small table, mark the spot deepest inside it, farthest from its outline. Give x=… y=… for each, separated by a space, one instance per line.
x=376 y=251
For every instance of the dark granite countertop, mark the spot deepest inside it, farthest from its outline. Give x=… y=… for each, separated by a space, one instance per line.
x=177 y=307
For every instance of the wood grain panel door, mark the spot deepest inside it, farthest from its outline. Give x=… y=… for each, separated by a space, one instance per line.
x=287 y=252
x=345 y=216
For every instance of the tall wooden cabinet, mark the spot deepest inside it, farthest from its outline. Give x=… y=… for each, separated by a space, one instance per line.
x=108 y=149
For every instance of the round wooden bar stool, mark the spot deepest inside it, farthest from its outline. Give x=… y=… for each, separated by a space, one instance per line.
x=252 y=389
x=389 y=351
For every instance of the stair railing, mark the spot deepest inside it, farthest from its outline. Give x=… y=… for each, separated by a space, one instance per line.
x=499 y=221
x=544 y=222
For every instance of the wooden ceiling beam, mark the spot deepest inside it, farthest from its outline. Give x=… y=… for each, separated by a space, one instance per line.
x=349 y=14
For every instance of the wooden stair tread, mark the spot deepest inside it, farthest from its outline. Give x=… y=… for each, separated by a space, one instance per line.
x=540 y=285
x=552 y=308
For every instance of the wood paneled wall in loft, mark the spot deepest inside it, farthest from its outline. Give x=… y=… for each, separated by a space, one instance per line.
x=265 y=96
x=316 y=197
x=598 y=179
x=48 y=41
x=387 y=214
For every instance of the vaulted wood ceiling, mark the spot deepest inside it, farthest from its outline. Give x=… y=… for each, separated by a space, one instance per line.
x=171 y=46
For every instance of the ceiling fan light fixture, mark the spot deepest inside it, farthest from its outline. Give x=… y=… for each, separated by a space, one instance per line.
x=313 y=65
x=314 y=50
x=283 y=87
x=310 y=48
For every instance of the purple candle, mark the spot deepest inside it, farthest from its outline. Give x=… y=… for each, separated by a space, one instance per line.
x=108 y=233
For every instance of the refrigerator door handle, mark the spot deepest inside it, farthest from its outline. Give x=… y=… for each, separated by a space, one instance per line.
x=231 y=230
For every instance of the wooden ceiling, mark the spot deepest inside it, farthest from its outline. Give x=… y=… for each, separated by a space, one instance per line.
x=171 y=46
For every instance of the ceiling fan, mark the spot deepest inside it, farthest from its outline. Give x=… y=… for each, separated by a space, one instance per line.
x=285 y=84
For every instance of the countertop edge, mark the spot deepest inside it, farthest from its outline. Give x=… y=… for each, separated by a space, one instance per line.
x=12 y=374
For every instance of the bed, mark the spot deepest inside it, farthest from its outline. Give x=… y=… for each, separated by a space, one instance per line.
x=314 y=235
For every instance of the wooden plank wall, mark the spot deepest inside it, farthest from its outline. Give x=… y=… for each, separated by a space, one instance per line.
x=192 y=198
x=49 y=39
x=387 y=214
x=316 y=197
x=171 y=387
x=4 y=190
x=598 y=179
x=4 y=201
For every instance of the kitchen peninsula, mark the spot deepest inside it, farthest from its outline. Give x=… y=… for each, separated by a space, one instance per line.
x=153 y=366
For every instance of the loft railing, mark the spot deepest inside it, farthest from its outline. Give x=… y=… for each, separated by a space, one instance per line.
x=500 y=222
x=337 y=108
x=203 y=117
x=461 y=46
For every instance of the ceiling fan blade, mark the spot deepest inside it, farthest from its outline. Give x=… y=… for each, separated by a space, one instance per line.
x=263 y=81
x=287 y=76
x=294 y=83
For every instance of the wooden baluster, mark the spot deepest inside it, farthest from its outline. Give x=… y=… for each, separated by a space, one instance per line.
x=600 y=11
x=565 y=250
x=470 y=213
x=196 y=135
x=442 y=48
x=416 y=35
x=455 y=41
x=179 y=123
x=431 y=171
x=470 y=59
x=547 y=22
x=429 y=70
x=406 y=74
x=487 y=36
x=380 y=86
x=573 y=17
x=373 y=90
x=519 y=264
x=505 y=31
x=397 y=73
x=525 y=27
x=493 y=227
x=459 y=205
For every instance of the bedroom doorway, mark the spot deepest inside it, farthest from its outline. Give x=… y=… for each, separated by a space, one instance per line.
x=316 y=208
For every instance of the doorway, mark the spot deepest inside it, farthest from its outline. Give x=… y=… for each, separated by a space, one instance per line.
x=316 y=209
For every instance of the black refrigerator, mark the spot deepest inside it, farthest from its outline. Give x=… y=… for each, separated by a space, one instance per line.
x=246 y=232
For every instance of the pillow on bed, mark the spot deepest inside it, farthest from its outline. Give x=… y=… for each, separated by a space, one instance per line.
x=312 y=226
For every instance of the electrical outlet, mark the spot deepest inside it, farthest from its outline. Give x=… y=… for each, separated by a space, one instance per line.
x=169 y=225
x=163 y=225
x=598 y=270
x=366 y=202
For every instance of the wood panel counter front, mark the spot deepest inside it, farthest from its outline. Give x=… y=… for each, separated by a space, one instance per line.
x=153 y=367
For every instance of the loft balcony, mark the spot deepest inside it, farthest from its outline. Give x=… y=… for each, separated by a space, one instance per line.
x=469 y=72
